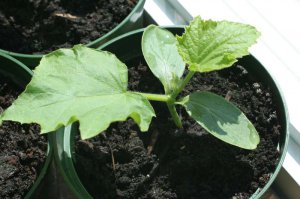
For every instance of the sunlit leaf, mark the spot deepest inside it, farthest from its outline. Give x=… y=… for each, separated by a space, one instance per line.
x=161 y=54
x=222 y=119
x=211 y=45
x=79 y=84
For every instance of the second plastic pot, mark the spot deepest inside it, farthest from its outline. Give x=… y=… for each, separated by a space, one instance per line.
x=133 y=21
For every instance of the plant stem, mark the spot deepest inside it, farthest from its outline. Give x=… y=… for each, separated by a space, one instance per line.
x=174 y=114
x=155 y=97
x=170 y=103
x=170 y=99
x=183 y=84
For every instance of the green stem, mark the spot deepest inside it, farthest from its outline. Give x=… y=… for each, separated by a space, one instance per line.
x=171 y=102
x=183 y=84
x=155 y=97
x=170 y=99
x=174 y=114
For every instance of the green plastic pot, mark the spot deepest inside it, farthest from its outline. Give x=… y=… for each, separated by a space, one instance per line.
x=128 y=47
x=133 y=21
x=21 y=75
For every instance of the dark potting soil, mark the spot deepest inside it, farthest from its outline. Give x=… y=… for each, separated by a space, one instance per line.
x=22 y=150
x=185 y=163
x=40 y=26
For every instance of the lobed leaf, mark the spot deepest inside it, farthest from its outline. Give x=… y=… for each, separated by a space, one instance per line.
x=79 y=84
x=161 y=54
x=222 y=119
x=210 y=45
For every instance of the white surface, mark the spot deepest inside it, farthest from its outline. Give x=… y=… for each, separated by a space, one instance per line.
x=278 y=49
x=159 y=16
x=291 y=162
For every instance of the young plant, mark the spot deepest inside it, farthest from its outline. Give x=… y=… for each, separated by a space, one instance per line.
x=90 y=86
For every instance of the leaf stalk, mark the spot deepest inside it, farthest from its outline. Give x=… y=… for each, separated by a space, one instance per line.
x=183 y=84
x=155 y=97
x=170 y=99
x=174 y=114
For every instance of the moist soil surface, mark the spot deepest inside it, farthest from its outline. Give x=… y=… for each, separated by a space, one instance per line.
x=184 y=163
x=41 y=26
x=22 y=150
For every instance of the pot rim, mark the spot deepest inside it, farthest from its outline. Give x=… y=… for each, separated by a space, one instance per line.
x=260 y=191
x=49 y=152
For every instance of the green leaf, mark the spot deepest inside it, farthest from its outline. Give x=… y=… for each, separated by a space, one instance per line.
x=80 y=84
x=161 y=54
x=209 y=45
x=222 y=119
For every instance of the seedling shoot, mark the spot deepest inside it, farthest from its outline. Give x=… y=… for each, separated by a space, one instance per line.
x=90 y=86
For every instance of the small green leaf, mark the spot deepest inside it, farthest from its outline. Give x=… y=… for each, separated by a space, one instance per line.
x=79 y=84
x=209 y=45
x=222 y=119
x=160 y=51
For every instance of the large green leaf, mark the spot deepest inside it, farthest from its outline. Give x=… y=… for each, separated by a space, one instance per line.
x=161 y=54
x=209 y=45
x=222 y=119
x=79 y=84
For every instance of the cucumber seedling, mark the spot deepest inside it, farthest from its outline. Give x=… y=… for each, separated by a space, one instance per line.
x=90 y=86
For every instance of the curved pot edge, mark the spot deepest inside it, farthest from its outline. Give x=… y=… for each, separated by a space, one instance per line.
x=138 y=9
x=62 y=151
x=260 y=193
x=44 y=170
